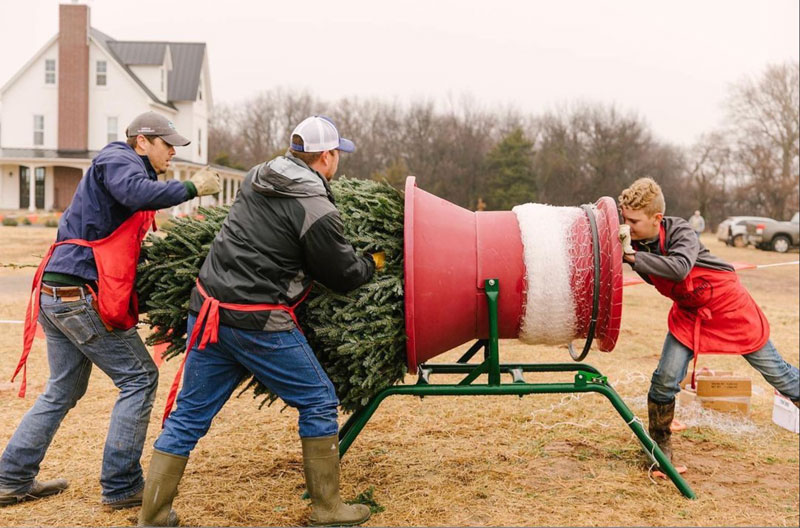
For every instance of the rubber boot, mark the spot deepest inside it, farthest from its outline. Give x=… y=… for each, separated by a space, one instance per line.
x=160 y=487
x=660 y=418
x=321 y=466
x=38 y=490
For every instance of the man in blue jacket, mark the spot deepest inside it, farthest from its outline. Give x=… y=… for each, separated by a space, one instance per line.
x=121 y=183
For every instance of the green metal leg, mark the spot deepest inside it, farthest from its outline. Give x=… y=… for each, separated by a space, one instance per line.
x=584 y=382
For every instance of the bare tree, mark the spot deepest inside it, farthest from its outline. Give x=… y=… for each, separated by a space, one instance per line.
x=763 y=115
x=708 y=169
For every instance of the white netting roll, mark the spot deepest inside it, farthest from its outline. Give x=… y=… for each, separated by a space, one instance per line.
x=549 y=315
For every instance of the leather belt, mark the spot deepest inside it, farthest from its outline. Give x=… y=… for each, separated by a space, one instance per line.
x=66 y=293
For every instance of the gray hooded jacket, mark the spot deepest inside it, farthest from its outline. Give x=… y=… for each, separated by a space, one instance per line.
x=282 y=232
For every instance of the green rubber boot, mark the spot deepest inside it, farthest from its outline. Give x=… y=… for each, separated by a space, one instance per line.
x=321 y=466
x=160 y=488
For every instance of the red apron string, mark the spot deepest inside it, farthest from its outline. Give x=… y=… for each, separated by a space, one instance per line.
x=31 y=317
x=208 y=321
x=702 y=314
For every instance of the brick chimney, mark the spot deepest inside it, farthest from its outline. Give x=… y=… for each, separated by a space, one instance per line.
x=73 y=77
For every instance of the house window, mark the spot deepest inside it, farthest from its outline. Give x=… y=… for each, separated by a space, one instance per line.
x=162 y=79
x=111 y=129
x=200 y=91
x=50 y=71
x=38 y=130
x=39 y=187
x=199 y=142
x=101 y=73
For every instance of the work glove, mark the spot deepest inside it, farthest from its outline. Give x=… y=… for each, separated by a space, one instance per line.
x=625 y=238
x=379 y=258
x=205 y=181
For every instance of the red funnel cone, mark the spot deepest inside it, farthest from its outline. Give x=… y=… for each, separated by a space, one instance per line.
x=450 y=251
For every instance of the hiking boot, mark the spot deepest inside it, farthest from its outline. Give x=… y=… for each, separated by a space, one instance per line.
x=38 y=490
x=129 y=502
x=321 y=467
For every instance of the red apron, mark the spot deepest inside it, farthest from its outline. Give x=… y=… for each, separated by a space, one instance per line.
x=116 y=257
x=209 y=314
x=712 y=312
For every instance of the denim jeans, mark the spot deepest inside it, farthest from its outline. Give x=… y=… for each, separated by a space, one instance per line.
x=282 y=361
x=76 y=339
x=675 y=359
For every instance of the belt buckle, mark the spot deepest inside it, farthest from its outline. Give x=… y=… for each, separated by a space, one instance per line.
x=81 y=293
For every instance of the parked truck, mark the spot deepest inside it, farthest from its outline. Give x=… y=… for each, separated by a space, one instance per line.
x=777 y=236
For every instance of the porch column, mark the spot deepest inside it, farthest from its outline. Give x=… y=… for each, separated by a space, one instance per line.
x=32 y=188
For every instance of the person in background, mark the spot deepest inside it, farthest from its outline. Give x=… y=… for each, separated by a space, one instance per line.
x=698 y=223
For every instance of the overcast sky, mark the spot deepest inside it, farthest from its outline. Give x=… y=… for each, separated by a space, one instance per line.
x=671 y=61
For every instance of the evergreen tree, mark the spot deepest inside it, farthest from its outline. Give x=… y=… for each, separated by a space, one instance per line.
x=509 y=172
x=358 y=337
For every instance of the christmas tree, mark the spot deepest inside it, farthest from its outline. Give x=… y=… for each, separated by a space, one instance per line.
x=359 y=337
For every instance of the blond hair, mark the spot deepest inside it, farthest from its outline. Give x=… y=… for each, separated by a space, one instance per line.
x=644 y=194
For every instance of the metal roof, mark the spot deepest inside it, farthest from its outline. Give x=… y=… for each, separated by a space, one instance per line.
x=187 y=63
x=136 y=53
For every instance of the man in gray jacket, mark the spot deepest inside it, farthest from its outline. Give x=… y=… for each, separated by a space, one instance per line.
x=282 y=232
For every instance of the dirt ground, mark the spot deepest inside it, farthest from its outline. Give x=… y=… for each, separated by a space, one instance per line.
x=549 y=460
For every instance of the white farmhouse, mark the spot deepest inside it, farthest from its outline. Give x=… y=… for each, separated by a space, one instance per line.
x=79 y=92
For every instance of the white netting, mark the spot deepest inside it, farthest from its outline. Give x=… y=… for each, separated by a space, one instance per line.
x=548 y=234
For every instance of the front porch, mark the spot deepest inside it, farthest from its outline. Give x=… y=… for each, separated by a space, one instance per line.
x=34 y=181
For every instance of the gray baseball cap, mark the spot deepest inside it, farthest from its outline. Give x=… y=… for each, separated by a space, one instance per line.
x=153 y=124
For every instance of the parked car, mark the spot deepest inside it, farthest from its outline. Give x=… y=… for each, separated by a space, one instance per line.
x=777 y=236
x=733 y=230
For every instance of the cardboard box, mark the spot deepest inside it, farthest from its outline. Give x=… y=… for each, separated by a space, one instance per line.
x=740 y=404
x=727 y=404
x=785 y=414
x=728 y=386
x=718 y=390
x=703 y=371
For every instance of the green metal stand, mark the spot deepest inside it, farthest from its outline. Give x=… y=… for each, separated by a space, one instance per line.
x=587 y=379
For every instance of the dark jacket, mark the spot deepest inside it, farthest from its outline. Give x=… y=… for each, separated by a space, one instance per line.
x=684 y=252
x=117 y=184
x=282 y=232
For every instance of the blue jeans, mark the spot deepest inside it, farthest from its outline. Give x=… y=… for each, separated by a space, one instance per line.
x=282 y=361
x=76 y=339
x=675 y=359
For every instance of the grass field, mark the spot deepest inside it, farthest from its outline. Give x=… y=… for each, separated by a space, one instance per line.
x=493 y=461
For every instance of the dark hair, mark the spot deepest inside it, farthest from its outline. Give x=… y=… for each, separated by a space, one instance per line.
x=307 y=157
x=131 y=141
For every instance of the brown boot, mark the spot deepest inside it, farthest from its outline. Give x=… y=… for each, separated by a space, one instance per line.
x=38 y=490
x=660 y=419
x=160 y=487
x=321 y=466
x=130 y=502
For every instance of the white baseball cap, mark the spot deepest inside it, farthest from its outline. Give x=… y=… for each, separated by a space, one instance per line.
x=320 y=134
